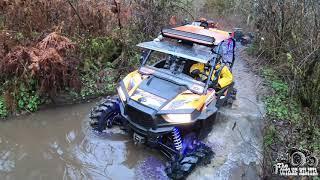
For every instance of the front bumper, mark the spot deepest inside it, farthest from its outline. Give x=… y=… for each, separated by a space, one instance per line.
x=154 y=129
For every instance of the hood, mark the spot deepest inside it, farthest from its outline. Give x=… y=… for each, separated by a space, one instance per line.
x=165 y=96
x=155 y=92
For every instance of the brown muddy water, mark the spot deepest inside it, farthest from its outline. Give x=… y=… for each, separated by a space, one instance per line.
x=58 y=144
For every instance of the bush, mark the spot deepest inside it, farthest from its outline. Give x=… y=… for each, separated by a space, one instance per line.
x=280 y=105
x=3 y=108
x=29 y=74
x=50 y=63
x=270 y=136
x=27 y=98
x=291 y=42
x=30 y=16
x=106 y=32
x=98 y=51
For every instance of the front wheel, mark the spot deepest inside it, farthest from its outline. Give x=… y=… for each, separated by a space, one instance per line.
x=180 y=168
x=105 y=114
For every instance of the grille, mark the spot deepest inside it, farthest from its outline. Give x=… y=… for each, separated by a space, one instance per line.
x=140 y=118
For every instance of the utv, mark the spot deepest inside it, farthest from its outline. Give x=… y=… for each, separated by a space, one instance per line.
x=162 y=106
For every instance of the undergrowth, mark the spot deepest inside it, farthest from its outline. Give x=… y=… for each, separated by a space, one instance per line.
x=97 y=83
x=280 y=105
x=99 y=51
x=27 y=98
x=288 y=124
x=77 y=48
x=34 y=75
x=270 y=136
x=3 y=108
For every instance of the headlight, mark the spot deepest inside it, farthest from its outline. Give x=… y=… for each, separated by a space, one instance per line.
x=178 y=118
x=121 y=94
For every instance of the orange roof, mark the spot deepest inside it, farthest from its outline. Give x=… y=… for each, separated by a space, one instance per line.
x=215 y=33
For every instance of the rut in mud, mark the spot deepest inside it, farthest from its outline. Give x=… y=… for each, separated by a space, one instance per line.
x=58 y=143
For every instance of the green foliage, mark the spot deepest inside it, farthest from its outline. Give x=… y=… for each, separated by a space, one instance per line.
x=19 y=36
x=134 y=61
x=282 y=38
x=315 y=139
x=3 y=108
x=27 y=98
x=280 y=105
x=316 y=178
x=301 y=130
x=270 y=136
x=99 y=51
x=280 y=87
x=308 y=86
x=96 y=83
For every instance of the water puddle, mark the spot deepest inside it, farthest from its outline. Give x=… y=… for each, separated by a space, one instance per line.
x=58 y=144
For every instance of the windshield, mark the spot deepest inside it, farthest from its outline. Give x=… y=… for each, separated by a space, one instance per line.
x=169 y=63
x=173 y=61
x=196 y=53
x=171 y=68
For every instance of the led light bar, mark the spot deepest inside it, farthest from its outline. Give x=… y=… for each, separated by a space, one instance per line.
x=189 y=36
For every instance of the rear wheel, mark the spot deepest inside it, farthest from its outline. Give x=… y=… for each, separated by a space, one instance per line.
x=105 y=114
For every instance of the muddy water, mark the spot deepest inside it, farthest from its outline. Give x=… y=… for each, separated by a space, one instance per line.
x=58 y=144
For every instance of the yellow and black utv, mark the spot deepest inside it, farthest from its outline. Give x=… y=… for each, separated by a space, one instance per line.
x=162 y=105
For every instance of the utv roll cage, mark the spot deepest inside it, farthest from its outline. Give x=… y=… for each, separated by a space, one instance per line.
x=187 y=37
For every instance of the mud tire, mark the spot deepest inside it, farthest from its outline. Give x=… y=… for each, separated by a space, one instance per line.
x=180 y=168
x=105 y=113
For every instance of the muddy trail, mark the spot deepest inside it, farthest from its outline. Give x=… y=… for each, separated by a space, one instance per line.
x=57 y=143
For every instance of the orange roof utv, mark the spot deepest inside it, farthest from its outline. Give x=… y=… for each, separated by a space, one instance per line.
x=197 y=34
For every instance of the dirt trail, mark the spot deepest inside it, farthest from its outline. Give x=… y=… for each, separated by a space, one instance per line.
x=57 y=144
x=236 y=137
